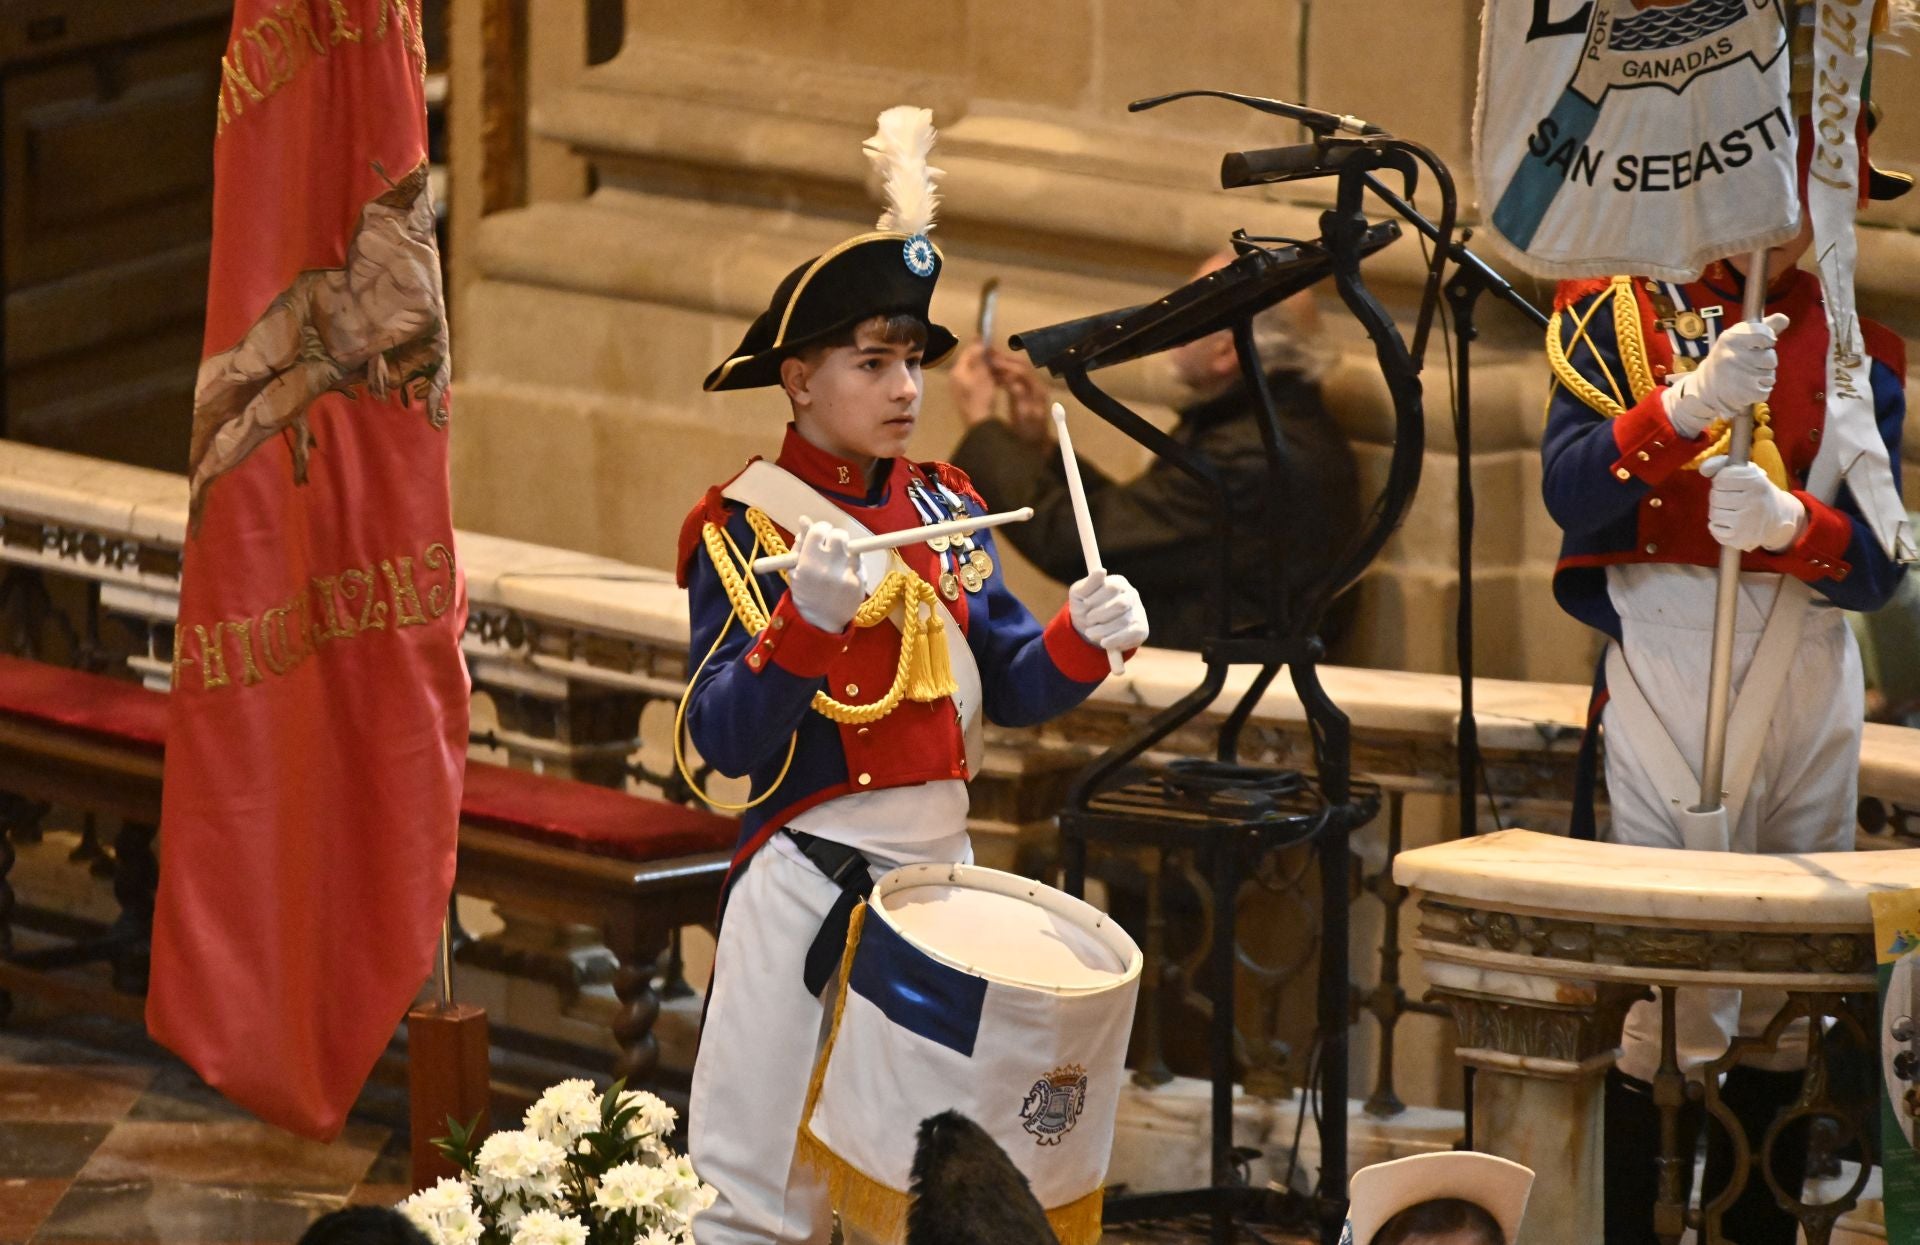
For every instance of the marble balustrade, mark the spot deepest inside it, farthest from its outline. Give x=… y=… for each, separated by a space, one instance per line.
x=563 y=627
x=577 y=661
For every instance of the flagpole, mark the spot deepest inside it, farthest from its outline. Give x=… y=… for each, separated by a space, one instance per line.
x=446 y=959
x=1726 y=603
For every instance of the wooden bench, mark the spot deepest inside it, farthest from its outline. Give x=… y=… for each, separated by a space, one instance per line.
x=635 y=869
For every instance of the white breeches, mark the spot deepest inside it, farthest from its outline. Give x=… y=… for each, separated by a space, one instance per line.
x=1804 y=787
x=762 y=1034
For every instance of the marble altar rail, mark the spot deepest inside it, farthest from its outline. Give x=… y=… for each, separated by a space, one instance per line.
x=1539 y=944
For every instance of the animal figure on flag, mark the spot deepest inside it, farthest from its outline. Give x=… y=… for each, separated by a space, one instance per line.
x=377 y=322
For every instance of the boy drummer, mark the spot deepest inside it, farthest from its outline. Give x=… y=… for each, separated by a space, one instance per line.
x=849 y=690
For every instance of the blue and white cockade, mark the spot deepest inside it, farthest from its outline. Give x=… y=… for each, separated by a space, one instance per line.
x=918 y=252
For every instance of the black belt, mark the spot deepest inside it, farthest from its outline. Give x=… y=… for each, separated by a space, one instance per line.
x=852 y=873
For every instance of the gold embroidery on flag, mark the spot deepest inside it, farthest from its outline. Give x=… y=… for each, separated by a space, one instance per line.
x=439 y=596
x=328 y=608
x=406 y=599
x=243 y=627
x=344 y=31
x=358 y=585
x=270 y=53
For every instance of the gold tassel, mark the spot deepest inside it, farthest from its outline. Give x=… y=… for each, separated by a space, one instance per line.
x=939 y=665
x=1764 y=453
x=1766 y=456
x=929 y=673
x=1078 y=1222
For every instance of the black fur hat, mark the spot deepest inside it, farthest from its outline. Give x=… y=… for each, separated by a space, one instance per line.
x=966 y=1191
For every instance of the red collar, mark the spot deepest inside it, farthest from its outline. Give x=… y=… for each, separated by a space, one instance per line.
x=1789 y=291
x=833 y=474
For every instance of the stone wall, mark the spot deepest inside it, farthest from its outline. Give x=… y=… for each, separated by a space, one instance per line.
x=723 y=141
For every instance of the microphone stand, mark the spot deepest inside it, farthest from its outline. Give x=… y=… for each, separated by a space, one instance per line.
x=1471 y=277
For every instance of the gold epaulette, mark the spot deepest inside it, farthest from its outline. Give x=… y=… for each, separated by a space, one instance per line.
x=1628 y=333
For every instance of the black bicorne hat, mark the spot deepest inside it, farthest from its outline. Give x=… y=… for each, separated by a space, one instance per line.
x=874 y=274
x=891 y=271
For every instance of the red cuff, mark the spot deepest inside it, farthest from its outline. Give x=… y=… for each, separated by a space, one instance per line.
x=796 y=645
x=1650 y=449
x=1077 y=657
x=1821 y=551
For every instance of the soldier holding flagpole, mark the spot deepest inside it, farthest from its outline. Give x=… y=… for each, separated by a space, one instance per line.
x=1721 y=454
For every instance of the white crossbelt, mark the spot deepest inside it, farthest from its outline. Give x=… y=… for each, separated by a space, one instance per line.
x=1747 y=725
x=784 y=497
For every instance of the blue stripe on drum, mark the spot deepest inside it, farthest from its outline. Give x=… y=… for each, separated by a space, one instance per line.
x=916 y=991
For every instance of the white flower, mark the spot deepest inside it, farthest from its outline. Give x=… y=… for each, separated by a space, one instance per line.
x=428 y=1224
x=518 y=1162
x=544 y=1227
x=655 y=1119
x=460 y=1226
x=444 y=1213
x=660 y=1236
x=631 y=1187
x=565 y=1113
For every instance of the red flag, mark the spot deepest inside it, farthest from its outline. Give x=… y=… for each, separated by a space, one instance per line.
x=318 y=727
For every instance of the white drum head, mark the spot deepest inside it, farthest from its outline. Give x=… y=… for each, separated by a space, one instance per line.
x=1006 y=928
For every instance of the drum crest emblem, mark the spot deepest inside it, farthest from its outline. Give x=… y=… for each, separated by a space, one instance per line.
x=1053 y=1105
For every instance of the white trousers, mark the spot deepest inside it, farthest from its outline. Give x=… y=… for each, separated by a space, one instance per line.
x=762 y=1035
x=1804 y=788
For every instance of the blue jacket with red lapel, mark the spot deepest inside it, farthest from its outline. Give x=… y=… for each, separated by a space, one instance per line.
x=1619 y=484
x=753 y=694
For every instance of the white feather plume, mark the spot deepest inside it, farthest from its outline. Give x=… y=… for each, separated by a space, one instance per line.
x=899 y=150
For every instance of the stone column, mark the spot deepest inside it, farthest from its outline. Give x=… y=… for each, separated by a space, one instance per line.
x=1540 y=1048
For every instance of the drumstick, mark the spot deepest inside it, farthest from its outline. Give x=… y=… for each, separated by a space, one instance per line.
x=1082 y=518
x=895 y=540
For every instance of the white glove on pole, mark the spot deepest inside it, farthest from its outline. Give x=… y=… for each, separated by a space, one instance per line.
x=1746 y=511
x=1736 y=373
x=825 y=583
x=1106 y=611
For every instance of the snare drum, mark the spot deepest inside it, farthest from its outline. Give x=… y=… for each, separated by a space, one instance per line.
x=997 y=996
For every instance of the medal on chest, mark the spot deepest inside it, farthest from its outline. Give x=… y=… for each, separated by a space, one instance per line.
x=963 y=564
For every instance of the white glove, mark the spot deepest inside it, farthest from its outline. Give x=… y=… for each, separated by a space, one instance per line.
x=1746 y=511
x=1106 y=611
x=1736 y=373
x=825 y=585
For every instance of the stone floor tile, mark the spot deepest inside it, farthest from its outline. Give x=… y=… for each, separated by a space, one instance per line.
x=234 y=1153
x=23 y=1204
x=177 y=1094
x=99 y=1092
x=394 y=1163
x=375 y=1193
x=44 y=1150
x=168 y=1211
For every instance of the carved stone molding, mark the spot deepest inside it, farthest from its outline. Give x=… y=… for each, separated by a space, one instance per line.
x=1598 y=942
x=1573 y=1035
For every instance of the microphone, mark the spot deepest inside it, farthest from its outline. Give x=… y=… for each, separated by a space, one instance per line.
x=1274 y=164
x=1315 y=119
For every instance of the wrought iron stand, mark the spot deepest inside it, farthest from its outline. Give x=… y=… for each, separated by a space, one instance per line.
x=1230 y=814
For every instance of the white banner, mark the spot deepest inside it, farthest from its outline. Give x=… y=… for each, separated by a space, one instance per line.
x=1852 y=448
x=1641 y=136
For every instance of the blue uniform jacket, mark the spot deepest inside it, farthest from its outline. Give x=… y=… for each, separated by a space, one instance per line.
x=752 y=697
x=1617 y=481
